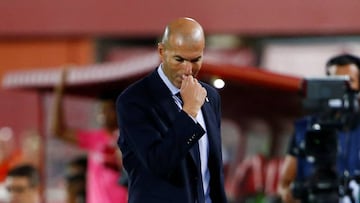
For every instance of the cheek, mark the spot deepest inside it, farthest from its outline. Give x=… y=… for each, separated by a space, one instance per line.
x=177 y=68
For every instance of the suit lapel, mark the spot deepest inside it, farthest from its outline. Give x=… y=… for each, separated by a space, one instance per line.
x=161 y=97
x=211 y=129
x=167 y=108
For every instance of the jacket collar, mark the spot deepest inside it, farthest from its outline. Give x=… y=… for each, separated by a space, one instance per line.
x=161 y=96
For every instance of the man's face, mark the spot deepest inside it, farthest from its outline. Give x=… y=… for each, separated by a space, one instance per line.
x=20 y=191
x=347 y=70
x=181 y=60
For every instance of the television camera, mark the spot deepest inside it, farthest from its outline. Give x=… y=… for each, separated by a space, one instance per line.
x=333 y=106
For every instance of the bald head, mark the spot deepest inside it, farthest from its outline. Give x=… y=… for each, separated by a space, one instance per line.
x=181 y=49
x=183 y=31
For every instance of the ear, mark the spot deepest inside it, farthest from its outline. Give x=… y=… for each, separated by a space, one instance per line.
x=161 y=50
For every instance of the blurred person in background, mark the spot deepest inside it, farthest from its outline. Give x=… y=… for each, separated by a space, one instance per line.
x=30 y=143
x=104 y=158
x=23 y=184
x=10 y=153
x=170 y=125
x=296 y=168
x=76 y=180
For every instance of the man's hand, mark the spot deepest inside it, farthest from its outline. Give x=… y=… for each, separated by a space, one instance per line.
x=192 y=94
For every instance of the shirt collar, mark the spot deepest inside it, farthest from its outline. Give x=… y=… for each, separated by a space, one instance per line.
x=167 y=82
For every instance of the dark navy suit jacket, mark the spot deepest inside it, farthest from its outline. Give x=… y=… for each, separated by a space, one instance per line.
x=157 y=141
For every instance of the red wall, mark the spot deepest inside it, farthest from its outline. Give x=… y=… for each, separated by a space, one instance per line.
x=20 y=111
x=135 y=17
x=29 y=53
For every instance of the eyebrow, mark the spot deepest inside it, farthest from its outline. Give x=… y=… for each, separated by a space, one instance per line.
x=191 y=60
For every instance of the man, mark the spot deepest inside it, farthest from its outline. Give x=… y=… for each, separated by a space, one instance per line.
x=104 y=158
x=23 y=184
x=295 y=166
x=171 y=143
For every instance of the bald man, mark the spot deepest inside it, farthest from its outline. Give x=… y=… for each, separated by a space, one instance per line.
x=170 y=125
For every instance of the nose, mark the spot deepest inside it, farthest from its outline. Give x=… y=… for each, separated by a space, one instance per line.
x=188 y=67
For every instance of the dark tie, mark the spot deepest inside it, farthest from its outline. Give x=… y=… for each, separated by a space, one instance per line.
x=178 y=98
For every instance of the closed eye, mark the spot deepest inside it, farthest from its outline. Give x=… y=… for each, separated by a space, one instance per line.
x=195 y=60
x=179 y=59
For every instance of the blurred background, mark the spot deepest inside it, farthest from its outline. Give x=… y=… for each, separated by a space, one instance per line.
x=257 y=54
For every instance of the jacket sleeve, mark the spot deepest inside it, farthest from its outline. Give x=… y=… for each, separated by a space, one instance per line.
x=160 y=146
